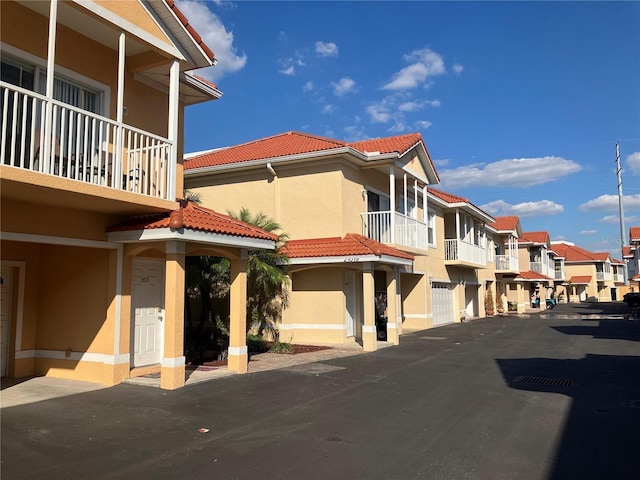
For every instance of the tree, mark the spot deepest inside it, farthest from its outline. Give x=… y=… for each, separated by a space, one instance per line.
x=267 y=282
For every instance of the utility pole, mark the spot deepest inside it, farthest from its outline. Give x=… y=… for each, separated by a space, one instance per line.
x=620 y=203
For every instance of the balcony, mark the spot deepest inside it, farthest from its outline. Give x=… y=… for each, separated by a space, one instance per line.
x=81 y=146
x=559 y=275
x=618 y=278
x=543 y=268
x=406 y=231
x=603 y=276
x=459 y=252
x=507 y=263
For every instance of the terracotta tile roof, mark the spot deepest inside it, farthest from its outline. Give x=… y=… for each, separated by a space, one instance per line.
x=505 y=223
x=205 y=81
x=452 y=198
x=573 y=253
x=448 y=197
x=531 y=275
x=399 y=144
x=535 y=237
x=352 y=244
x=580 y=279
x=296 y=143
x=627 y=251
x=634 y=234
x=185 y=21
x=198 y=218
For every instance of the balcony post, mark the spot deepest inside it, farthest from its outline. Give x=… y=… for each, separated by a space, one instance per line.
x=392 y=202
x=405 y=200
x=51 y=61
x=174 y=95
x=119 y=153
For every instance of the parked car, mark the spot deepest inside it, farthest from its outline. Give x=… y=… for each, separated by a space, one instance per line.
x=632 y=298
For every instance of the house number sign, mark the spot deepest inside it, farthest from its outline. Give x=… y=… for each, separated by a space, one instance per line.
x=352 y=259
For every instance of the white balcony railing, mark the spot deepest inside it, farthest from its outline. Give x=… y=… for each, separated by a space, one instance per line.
x=407 y=231
x=507 y=263
x=82 y=146
x=618 y=278
x=461 y=251
x=559 y=274
x=603 y=276
x=542 y=268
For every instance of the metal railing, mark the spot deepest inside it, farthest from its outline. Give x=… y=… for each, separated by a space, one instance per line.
x=603 y=276
x=507 y=263
x=542 y=268
x=54 y=138
x=461 y=251
x=407 y=231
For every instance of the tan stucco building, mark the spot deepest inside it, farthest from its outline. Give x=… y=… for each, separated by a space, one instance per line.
x=94 y=242
x=371 y=241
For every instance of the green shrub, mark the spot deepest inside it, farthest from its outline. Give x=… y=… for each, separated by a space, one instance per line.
x=256 y=344
x=281 y=347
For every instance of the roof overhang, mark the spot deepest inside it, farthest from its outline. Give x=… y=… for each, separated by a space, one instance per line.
x=188 y=235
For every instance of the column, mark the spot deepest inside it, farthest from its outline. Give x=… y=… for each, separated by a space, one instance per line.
x=173 y=361
x=238 y=357
x=369 y=338
x=392 y=203
x=393 y=335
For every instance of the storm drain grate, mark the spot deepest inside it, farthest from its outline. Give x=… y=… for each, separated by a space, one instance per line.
x=544 y=381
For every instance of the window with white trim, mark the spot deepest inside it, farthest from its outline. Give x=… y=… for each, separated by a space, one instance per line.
x=431 y=227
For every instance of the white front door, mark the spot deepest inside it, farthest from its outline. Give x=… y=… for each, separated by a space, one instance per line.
x=147 y=308
x=442 y=304
x=350 y=297
x=5 y=316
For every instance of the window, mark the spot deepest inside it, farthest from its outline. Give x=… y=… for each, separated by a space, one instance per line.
x=377 y=203
x=431 y=227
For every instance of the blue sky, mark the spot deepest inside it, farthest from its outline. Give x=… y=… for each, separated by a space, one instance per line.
x=520 y=104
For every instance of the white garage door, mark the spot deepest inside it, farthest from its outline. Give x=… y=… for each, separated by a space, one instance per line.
x=442 y=304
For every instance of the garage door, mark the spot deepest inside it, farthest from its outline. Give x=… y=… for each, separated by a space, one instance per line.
x=442 y=303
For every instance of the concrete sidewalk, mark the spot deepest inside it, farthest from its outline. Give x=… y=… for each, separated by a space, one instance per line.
x=34 y=389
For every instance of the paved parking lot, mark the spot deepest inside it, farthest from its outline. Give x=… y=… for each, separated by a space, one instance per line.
x=551 y=396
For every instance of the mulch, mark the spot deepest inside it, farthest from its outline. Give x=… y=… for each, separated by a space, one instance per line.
x=296 y=349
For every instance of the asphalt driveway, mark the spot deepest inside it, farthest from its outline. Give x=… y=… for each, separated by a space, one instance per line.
x=552 y=396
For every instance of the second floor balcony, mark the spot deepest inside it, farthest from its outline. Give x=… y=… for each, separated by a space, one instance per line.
x=543 y=268
x=395 y=228
x=56 y=139
x=507 y=263
x=604 y=276
x=460 y=252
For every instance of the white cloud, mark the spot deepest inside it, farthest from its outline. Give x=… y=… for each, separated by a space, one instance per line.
x=633 y=162
x=290 y=70
x=616 y=219
x=326 y=49
x=355 y=133
x=457 y=68
x=609 y=203
x=328 y=108
x=411 y=106
x=343 y=86
x=442 y=162
x=422 y=124
x=433 y=103
x=588 y=232
x=423 y=64
x=515 y=172
x=399 y=125
x=307 y=86
x=215 y=35
x=522 y=210
x=378 y=113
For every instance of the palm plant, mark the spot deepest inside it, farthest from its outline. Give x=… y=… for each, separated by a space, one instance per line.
x=267 y=282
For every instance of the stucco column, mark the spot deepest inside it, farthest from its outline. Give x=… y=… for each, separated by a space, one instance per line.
x=173 y=361
x=238 y=357
x=393 y=335
x=369 y=338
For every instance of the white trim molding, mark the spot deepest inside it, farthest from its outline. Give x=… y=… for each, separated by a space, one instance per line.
x=74 y=356
x=173 y=362
x=368 y=329
x=237 y=351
